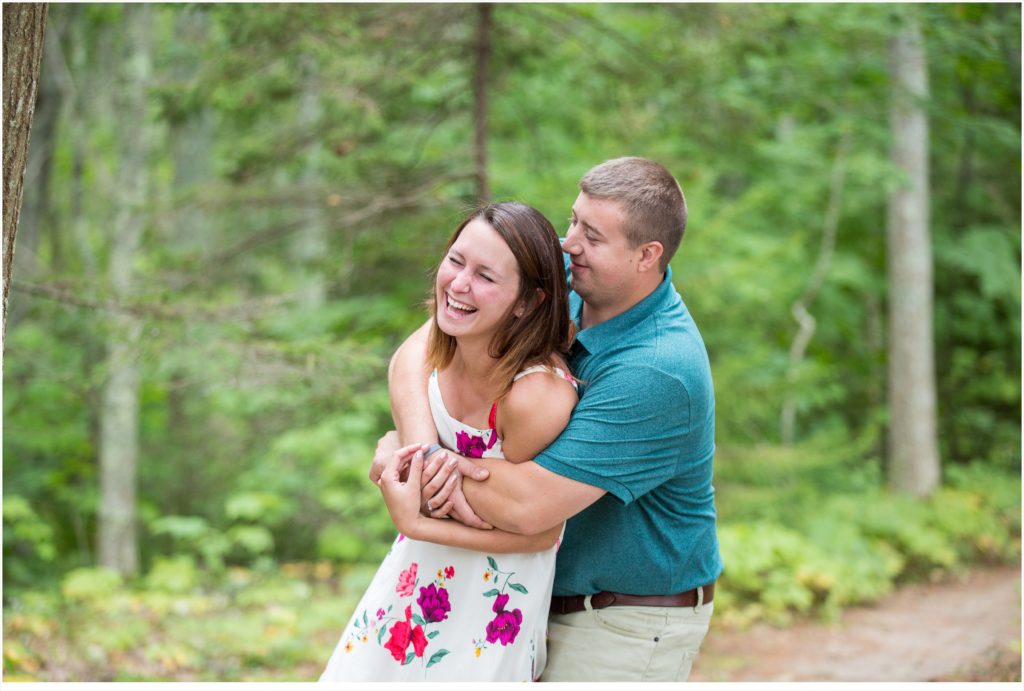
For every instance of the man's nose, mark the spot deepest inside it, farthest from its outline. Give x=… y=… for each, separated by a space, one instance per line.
x=571 y=245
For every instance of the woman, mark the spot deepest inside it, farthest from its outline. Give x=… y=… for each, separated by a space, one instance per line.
x=449 y=602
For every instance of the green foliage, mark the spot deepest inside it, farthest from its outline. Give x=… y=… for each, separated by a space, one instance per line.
x=327 y=150
x=90 y=585
x=805 y=534
x=253 y=626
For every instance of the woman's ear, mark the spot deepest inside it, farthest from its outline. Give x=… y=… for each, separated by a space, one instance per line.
x=521 y=308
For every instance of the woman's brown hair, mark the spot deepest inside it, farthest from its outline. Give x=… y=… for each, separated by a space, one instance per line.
x=545 y=327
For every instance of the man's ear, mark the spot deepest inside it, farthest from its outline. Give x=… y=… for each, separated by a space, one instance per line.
x=650 y=256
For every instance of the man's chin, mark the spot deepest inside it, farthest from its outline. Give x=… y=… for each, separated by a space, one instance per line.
x=582 y=291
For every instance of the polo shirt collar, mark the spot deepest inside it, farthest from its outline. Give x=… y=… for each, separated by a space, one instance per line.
x=604 y=335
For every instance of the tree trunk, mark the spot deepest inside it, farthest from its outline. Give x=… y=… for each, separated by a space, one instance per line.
x=310 y=244
x=119 y=426
x=36 y=206
x=191 y=139
x=480 y=79
x=913 y=445
x=24 y=27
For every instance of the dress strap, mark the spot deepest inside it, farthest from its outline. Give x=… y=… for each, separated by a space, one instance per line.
x=544 y=368
x=531 y=370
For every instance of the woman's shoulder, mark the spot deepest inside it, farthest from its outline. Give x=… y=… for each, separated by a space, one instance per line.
x=538 y=389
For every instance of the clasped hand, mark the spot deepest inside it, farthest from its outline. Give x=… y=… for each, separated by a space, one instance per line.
x=438 y=480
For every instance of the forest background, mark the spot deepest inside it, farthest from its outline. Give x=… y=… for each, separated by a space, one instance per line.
x=230 y=217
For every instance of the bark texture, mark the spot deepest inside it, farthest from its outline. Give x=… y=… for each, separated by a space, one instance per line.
x=24 y=28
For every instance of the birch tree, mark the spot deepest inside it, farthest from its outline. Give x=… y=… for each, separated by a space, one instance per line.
x=913 y=444
x=119 y=423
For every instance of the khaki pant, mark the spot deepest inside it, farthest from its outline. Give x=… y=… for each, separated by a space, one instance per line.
x=625 y=643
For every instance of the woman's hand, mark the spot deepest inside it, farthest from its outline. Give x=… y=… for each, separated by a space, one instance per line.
x=402 y=496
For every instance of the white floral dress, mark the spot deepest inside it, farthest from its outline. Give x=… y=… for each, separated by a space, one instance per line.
x=438 y=613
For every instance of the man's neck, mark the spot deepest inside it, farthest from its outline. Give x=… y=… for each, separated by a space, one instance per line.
x=592 y=315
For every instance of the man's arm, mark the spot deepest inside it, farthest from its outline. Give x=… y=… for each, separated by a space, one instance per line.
x=526 y=498
x=624 y=437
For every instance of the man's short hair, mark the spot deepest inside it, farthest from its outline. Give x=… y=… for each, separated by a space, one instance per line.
x=652 y=200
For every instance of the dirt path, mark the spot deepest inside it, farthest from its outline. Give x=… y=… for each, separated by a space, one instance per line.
x=967 y=630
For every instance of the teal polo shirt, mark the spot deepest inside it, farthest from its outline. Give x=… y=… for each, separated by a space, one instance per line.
x=644 y=430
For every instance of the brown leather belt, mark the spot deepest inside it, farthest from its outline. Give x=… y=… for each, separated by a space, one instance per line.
x=574 y=603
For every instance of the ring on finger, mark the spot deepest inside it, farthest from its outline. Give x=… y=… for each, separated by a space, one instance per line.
x=430 y=509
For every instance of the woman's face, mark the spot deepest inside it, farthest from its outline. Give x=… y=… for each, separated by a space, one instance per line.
x=477 y=283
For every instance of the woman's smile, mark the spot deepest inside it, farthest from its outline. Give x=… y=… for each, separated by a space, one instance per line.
x=456 y=309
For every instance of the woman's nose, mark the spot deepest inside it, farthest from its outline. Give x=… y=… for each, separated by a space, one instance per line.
x=460 y=283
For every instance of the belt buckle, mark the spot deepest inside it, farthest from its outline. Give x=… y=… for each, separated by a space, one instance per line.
x=602 y=599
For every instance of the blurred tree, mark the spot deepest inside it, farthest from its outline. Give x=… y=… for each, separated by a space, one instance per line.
x=913 y=444
x=23 y=30
x=119 y=416
x=481 y=81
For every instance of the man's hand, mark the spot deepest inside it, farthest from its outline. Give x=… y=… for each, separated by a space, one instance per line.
x=386 y=448
x=463 y=513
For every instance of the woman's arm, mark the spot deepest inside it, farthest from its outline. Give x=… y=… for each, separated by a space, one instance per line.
x=407 y=387
x=408 y=373
x=402 y=499
x=441 y=531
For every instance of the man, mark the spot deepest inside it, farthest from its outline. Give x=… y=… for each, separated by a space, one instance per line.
x=632 y=471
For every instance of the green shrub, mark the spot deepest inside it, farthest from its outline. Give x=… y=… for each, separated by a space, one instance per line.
x=804 y=535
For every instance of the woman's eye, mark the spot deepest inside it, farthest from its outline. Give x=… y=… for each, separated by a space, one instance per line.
x=487 y=278
x=455 y=261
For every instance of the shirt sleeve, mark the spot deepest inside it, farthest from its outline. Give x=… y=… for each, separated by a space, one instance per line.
x=626 y=434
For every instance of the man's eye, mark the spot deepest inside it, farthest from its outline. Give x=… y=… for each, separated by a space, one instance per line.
x=572 y=221
x=487 y=278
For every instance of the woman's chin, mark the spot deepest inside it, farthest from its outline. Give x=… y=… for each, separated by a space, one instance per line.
x=448 y=328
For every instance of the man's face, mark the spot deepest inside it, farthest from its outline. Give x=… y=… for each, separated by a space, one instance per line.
x=602 y=263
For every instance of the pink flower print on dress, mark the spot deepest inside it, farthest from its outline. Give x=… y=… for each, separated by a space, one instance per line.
x=471 y=447
x=499 y=603
x=505 y=626
x=407 y=581
x=433 y=602
x=402 y=634
x=449 y=572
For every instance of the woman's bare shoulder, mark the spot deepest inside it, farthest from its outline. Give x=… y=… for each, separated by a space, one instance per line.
x=540 y=393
